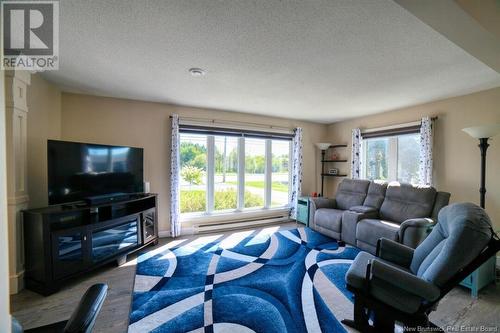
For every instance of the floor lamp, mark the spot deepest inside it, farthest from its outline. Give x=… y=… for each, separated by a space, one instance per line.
x=483 y=133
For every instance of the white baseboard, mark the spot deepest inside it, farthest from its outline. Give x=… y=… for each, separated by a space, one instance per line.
x=164 y=233
x=185 y=231
x=16 y=282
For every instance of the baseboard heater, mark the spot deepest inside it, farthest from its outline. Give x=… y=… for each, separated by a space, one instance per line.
x=239 y=224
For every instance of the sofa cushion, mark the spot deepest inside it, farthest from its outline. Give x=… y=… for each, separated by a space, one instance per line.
x=329 y=218
x=406 y=201
x=351 y=192
x=370 y=230
x=376 y=194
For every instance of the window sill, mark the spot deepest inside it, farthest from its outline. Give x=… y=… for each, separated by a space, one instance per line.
x=229 y=216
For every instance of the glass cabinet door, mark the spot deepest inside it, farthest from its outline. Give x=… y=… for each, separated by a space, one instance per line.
x=68 y=252
x=148 y=220
x=114 y=239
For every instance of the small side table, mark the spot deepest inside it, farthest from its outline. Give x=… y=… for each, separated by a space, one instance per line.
x=481 y=277
x=303 y=210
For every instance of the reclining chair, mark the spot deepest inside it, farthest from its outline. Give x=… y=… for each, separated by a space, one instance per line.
x=404 y=284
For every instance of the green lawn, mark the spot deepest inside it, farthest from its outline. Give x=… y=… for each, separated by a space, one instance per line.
x=195 y=200
x=275 y=186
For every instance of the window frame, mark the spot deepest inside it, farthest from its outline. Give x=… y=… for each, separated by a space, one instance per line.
x=210 y=178
x=392 y=154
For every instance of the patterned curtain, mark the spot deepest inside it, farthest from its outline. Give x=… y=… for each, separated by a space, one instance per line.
x=296 y=171
x=426 y=151
x=175 y=224
x=356 y=154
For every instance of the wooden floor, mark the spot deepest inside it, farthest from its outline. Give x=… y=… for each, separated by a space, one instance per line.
x=31 y=309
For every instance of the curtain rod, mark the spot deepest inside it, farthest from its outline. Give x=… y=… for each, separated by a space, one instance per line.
x=215 y=121
x=395 y=126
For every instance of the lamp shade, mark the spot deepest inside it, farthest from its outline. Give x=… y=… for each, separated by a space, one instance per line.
x=481 y=132
x=323 y=145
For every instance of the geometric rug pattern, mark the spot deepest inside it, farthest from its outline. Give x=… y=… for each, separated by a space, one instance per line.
x=265 y=281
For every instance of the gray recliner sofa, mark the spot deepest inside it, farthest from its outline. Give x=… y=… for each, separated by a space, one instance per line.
x=405 y=284
x=364 y=211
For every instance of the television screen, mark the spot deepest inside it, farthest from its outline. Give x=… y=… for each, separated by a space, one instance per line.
x=80 y=170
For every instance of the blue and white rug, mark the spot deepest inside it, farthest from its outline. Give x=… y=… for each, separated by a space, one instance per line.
x=252 y=281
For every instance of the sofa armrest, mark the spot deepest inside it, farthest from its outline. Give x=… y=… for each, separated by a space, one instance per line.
x=317 y=203
x=350 y=219
x=394 y=252
x=403 y=280
x=364 y=209
x=413 y=231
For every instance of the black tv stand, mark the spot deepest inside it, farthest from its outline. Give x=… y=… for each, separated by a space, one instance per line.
x=68 y=240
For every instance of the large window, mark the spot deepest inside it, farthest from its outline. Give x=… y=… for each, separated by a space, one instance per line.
x=228 y=173
x=392 y=158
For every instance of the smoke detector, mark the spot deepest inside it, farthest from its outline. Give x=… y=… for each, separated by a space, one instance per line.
x=196 y=72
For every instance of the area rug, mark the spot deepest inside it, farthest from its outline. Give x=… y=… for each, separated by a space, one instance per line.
x=252 y=281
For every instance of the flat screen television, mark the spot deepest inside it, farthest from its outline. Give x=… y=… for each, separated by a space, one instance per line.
x=77 y=171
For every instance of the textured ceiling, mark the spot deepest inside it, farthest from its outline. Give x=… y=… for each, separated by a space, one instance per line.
x=320 y=60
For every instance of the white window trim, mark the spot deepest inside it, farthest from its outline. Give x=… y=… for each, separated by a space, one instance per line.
x=240 y=211
x=232 y=215
x=268 y=173
x=210 y=204
x=241 y=175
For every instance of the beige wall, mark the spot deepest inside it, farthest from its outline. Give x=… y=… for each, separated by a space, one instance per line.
x=44 y=122
x=144 y=124
x=456 y=155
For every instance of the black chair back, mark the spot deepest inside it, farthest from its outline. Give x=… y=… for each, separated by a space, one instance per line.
x=83 y=318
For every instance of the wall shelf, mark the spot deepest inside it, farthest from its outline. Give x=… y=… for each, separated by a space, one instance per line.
x=324 y=160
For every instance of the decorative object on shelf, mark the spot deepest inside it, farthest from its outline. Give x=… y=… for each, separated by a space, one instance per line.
x=333 y=171
x=486 y=273
x=333 y=159
x=483 y=133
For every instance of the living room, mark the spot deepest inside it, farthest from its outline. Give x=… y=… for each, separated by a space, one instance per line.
x=238 y=175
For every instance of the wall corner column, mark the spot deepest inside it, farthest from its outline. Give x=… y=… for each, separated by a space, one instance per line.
x=16 y=114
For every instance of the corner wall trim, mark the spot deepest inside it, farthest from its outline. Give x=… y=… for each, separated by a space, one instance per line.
x=16 y=282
